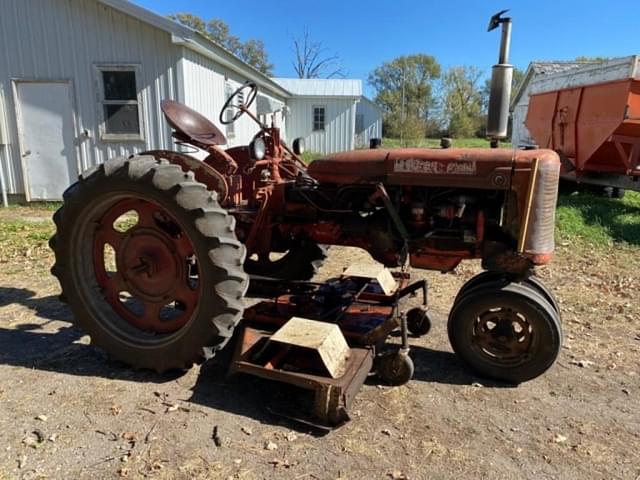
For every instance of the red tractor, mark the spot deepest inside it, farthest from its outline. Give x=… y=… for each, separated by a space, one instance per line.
x=153 y=252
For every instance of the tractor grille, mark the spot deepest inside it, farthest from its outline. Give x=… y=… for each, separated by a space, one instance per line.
x=542 y=220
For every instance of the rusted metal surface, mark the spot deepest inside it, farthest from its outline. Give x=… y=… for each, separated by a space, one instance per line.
x=150 y=264
x=365 y=314
x=596 y=127
x=190 y=126
x=332 y=397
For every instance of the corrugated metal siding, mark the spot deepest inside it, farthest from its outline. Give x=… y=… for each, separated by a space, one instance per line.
x=371 y=123
x=322 y=87
x=65 y=39
x=204 y=83
x=340 y=118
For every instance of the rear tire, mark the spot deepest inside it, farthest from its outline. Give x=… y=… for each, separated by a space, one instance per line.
x=180 y=225
x=507 y=333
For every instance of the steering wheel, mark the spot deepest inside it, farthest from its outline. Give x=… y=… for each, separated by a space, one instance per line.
x=230 y=104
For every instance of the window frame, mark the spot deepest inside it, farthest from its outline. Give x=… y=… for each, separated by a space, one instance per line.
x=102 y=102
x=313 y=118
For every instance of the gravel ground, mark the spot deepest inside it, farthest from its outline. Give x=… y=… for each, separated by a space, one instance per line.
x=68 y=411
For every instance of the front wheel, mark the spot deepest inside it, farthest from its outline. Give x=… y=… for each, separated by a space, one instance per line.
x=508 y=333
x=149 y=263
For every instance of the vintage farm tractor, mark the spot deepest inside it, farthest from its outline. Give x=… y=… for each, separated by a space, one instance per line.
x=154 y=252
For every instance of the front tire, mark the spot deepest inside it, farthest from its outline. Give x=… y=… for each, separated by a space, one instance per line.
x=509 y=333
x=170 y=293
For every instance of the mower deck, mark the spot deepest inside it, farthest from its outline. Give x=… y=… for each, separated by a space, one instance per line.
x=365 y=315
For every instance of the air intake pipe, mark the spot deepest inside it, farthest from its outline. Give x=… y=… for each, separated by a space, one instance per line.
x=501 y=78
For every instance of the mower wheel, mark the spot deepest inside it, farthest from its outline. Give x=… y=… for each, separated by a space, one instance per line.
x=301 y=262
x=149 y=264
x=485 y=278
x=394 y=368
x=419 y=321
x=509 y=333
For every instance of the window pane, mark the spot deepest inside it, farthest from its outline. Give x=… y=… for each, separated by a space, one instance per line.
x=121 y=119
x=318 y=118
x=119 y=85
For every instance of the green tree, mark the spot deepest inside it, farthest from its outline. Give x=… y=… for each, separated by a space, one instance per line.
x=251 y=51
x=462 y=100
x=404 y=89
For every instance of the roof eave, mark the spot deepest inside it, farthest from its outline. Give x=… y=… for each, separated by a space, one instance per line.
x=184 y=36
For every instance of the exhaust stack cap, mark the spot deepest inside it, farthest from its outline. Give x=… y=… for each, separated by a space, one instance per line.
x=501 y=78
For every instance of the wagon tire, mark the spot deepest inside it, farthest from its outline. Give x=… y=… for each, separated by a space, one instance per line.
x=181 y=250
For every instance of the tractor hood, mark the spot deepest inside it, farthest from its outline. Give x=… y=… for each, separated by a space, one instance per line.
x=451 y=167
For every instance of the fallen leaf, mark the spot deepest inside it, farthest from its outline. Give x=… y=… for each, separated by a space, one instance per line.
x=270 y=446
x=246 y=430
x=291 y=436
x=42 y=418
x=559 y=438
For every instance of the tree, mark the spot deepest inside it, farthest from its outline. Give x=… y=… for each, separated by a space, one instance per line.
x=404 y=89
x=462 y=100
x=251 y=51
x=313 y=61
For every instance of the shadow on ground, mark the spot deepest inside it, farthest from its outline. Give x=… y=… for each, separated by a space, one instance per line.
x=54 y=345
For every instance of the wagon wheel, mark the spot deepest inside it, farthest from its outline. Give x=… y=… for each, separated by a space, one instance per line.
x=300 y=262
x=129 y=237
x=509 y=333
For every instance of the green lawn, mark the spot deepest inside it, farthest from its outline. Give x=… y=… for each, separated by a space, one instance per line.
x=598 y=220
x=435 y=143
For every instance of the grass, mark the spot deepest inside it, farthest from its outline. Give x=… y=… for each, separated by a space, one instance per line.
x=580 y=218
x=598 y=220
x=435 y=143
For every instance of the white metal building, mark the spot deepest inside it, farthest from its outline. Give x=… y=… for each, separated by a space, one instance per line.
x=82 y=81
x=323 y=111
x=368 y=122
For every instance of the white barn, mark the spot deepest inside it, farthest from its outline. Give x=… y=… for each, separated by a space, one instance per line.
x=323 y=112
x=368 y=122
x=82 y=81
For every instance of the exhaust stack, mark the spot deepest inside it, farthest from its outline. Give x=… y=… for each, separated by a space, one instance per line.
x=501 y=77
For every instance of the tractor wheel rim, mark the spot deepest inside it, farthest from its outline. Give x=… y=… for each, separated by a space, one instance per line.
x=503 y=336
x=151 y=286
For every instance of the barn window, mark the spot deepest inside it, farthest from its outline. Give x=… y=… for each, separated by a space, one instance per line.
x=318 y=119
x=120 y=104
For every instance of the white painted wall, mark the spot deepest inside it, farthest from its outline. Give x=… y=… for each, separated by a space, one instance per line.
x=340 y=119
x=371 y=122
x=65 y=39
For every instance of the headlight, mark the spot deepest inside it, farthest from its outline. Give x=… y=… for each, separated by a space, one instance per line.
x=258 y=149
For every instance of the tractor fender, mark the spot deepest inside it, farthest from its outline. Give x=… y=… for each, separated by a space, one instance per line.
x=203 y=172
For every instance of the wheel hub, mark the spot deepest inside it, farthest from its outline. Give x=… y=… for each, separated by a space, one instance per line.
x=150 y=266
x=152 y=287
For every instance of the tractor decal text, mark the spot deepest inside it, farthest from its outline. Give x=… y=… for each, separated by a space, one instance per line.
x=414 y=165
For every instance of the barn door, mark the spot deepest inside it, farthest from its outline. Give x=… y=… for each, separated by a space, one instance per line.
x=45 y=122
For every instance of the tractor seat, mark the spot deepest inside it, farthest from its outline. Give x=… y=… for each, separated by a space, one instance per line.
x=350 y=167
x=190 y=126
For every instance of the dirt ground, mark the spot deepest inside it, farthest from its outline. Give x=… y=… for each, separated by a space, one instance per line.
x=67 y=411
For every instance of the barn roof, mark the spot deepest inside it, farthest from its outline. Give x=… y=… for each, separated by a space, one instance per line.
x=188 y=38
x=317 y=87
x=545 y=68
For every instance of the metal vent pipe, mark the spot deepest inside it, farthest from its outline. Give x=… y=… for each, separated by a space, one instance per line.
x=501 y=79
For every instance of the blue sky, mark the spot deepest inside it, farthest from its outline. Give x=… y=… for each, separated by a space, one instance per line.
x=366 y=33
